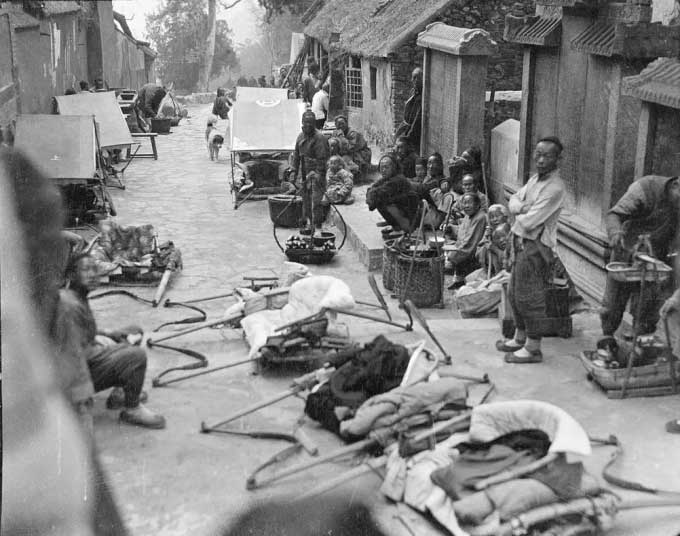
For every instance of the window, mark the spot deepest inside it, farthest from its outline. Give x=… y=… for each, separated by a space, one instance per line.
x=353 y=81
x=374 y=83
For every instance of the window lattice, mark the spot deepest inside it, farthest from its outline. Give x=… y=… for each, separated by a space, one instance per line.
x=355 y=97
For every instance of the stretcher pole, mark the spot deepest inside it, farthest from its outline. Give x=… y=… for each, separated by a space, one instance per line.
x=210 y=324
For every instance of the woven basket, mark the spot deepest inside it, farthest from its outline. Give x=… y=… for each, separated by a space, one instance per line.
x=285 y=210
x=426 y=285
x=390 y=254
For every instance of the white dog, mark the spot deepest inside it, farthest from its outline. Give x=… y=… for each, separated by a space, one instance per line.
x=214 y=140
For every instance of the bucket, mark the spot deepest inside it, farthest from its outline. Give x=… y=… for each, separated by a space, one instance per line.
x=160 y=126
x=285 y=210
x=325 y=237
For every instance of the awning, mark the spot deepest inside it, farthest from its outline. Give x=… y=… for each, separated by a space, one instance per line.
x=659 y=83
x=538 y=31
x=266 y=126
x=598 y=38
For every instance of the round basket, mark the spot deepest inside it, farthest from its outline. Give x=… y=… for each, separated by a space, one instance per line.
x=390 y=254
x=426 y=285
x=285 y=210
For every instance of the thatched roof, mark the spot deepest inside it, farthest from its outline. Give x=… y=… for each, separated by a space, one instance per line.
x=373 y=27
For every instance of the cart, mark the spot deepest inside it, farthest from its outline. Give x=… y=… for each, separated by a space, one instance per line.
x=263 y=134
x=65 y=149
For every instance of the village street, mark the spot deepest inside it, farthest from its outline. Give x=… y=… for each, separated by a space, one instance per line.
x=178 y=481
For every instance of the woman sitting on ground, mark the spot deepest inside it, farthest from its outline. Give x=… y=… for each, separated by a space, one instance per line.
x=461 y=256
x=393 y=196
x=339 y=182
x=469 y=185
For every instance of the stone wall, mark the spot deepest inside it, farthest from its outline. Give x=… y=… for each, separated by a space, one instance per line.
x=505 y=67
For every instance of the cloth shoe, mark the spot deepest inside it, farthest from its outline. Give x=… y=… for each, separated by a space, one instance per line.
x=535 y=356
x=116 y=399
x=382 y=224
x=506 y=346
x=142 y=416
x=673 y=427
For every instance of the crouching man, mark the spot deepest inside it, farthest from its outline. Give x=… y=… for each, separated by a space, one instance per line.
x=112 y=359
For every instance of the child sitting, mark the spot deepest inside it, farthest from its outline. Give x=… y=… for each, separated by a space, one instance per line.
x=421 y=170
x=350 y=165
x=442 y=199
x=339 y=182
x=492 y=255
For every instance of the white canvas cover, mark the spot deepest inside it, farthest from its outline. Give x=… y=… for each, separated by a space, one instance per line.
x=252 y=94
x=266 y=125
x=61 y=146
x=113 y=130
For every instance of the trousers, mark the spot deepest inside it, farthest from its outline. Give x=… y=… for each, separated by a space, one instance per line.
x=119 y=365
x=528 y=283
x=313 y=190
x=616 y=296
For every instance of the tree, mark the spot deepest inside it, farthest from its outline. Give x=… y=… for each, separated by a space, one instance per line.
x=178 y=30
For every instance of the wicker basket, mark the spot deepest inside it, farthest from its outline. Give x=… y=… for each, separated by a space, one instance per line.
x=390 y=254
x=310 y=256
x=285 y=210
x=426 y=285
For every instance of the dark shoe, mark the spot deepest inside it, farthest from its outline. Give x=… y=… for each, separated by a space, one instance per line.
x=142 y=416
x=503 y=346
x=382 y=224
x=455 y=285
x=534 y=357
x=116 y=399
x=673 y=427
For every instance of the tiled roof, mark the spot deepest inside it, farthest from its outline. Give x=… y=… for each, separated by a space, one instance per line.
x=659 y=82
x=455 y=40
x=598 y=38
x=641 y=40
x=539 y=31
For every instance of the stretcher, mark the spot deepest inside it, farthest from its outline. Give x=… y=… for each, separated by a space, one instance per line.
x=263 y=134
x=65 y=148
x=112 y=131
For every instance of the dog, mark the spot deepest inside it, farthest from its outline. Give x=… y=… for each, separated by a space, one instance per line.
x=214 y=141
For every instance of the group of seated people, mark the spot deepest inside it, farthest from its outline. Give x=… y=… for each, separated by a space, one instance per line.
x=414 y=191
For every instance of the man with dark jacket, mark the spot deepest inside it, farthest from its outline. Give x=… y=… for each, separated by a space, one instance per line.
x=650 y=206
x=149 y=99
x=309 y=160
x=410 y=126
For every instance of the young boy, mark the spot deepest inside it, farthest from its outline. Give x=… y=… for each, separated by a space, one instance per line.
x=339 y=181
x=420 y=169
x=350 y=165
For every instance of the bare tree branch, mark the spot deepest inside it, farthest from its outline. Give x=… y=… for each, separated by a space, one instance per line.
x=229 y=6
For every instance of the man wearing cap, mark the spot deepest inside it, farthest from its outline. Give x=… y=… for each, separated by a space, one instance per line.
x=536 y=208
x=308 y=167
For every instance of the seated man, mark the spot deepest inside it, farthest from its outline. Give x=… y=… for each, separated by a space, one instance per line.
x=339 y=182
x=393 y=196
x=407 y=157
x=352 y=143
x=462 y=255
x=111 y=358
x=650 y=206
x=350 y=165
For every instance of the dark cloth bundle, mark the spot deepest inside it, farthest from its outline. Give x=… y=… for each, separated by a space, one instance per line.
x=376 y=368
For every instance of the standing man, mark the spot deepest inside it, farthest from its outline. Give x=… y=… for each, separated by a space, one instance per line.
x=536 y=207
x=413 y=111
x=650 y=206
x=309 y=158
x=320 y=105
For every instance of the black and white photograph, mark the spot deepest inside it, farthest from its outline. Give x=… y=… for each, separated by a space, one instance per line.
x=340 y=267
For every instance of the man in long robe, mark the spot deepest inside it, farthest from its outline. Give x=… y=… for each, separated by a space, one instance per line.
x=413 y=112
x=536 y=207
x=308 y=165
